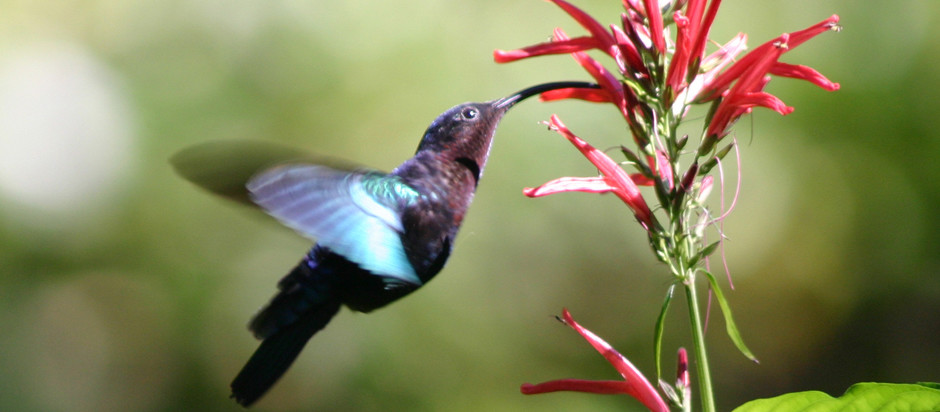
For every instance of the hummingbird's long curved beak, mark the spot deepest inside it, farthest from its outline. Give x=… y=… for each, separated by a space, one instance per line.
x=507 y=102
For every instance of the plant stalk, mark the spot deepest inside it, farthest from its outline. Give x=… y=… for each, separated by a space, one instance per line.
x=698 y=336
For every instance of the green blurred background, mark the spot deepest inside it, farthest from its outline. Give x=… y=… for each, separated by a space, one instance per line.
x=123 y=287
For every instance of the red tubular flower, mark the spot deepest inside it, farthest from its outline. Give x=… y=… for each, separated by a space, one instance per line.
x=541 y=49
x=633 y=383
x=796 y=71
x=692 y=34
x=722 y=82
x=740 y=86
x=630 y=62
x=658 y=82
x=655 y=18
x=747 y=92
x=598 y=33
x=678 y=67
x=700 y=31
x=799 y=37
x=591 y=95
x=615 y=43
x=613 y=178
x=599 y=39
x=749 y=76
x=682 y=369
x=694 y=11
x=642 y=28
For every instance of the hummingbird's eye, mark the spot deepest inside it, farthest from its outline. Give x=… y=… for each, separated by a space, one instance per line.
x=469 y=113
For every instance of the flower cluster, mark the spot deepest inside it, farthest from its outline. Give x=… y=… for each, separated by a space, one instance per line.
x=655 y=80
x=659 y=79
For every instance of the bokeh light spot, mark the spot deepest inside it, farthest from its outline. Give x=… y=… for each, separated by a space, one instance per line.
x=66 y=137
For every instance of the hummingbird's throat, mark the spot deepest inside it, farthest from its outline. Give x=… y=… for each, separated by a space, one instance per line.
x=472 y=166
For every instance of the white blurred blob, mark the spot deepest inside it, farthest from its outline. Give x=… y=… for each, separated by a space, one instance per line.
x=65 y=134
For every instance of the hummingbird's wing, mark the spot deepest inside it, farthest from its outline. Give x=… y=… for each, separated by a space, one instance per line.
x=224 y=167
x=355 y=214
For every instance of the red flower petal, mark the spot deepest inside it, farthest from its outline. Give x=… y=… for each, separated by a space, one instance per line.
x=629 y=52
x=641 y=180
x=570 y=184
x=746 y=91
x=616 y=177
x=763 y=99
x=679 y=66
x=634 y=383
x=751 y=67
x=797 y=71
x=701 y=33
x=790 y=40
x=799 y=37
x=655 y=18
x=603 y=38
x=631 y=5
x=541 y=49
x=591 y=95
x=576 y=385
x=694 y=10
x=732 y=108
x=638 y=386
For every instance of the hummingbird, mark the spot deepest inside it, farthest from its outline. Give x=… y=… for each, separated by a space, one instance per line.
x=379 y=236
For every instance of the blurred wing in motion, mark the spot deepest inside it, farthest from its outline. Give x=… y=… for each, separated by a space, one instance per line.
x=225 y=167
x=355 y=214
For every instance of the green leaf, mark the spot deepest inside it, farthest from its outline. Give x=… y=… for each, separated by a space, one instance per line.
x=861 y=397
x=706 y=252
x=636 y=162
x=680 y=144
x=632 y=157
x=713 y=161
x=660 y=326
x=729 y=320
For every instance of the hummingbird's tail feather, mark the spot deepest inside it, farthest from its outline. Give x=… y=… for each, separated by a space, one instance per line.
x=304 y=289
x=277 y=352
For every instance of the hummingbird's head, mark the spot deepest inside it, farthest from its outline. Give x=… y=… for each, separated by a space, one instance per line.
x=463 y=127
x=465 y=132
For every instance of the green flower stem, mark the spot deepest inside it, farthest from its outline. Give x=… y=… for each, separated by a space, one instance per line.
x=701 y=356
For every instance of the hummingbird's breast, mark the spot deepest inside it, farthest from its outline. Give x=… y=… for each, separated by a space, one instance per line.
x=431 y=223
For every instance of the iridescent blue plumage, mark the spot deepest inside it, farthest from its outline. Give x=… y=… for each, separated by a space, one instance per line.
x=354 y=214
x=379 y=236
